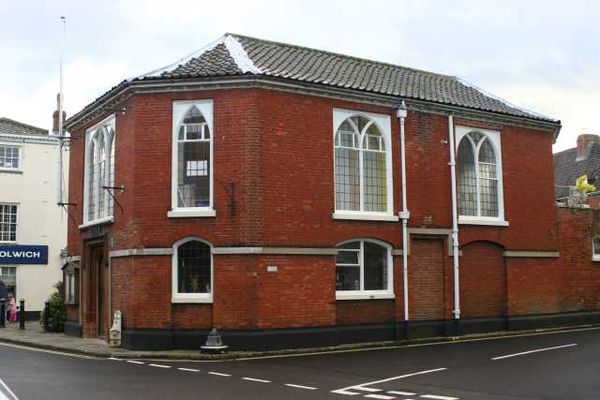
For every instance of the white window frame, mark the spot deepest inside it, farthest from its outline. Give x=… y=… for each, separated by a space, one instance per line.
x=177 y=297
x=383 y=123
x=20 y=166
x=17 y=227
x=495 y=139
x=362 y=294
x=108 y=122
x=595 y=256
x=180 y=110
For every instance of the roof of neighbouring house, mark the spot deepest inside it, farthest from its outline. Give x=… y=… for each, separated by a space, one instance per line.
x=11 y=127
x=567 y=168
x=238 y=55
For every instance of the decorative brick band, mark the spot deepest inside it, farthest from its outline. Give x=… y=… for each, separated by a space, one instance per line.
x=307 y=251
x=141 y=252
x=530 y=254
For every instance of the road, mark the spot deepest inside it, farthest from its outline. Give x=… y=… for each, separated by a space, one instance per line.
x=563 y=365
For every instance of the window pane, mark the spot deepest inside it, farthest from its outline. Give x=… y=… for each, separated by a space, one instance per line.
x=597 y=246
x=347 y=257
x=486 y=153
x=467 y=185
x=8 y=222
x=375 y=183
x=347 y=179
x=9 y=157
x=347 y=278
x=193 y=268
x=489 y=197
x=194 y=174
x=375 y=264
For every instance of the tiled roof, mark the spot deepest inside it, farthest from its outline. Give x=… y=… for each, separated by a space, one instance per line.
x=236 y=55
x=11 y=127
x=567 y=169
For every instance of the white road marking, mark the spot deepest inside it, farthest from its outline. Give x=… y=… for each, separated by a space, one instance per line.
x=401 y=393
x=301 y=386
x=189 y=369
x=114 y=359
x=362 y=385
x=218 y=374
x=533 y=351
x=135 y=362
x=159 y=365
x=433 y=396
x=255 y=380
x=379 y=396
x=9 y=392
x=60 y=353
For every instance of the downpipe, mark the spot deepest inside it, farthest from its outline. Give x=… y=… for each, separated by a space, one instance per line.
x=455 y=244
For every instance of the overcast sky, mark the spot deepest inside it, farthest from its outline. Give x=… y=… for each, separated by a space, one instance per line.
x=542 y=55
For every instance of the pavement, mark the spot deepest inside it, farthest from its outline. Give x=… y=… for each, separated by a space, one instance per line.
x=34 y=336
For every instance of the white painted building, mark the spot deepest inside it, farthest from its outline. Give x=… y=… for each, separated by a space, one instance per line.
x=30 y=218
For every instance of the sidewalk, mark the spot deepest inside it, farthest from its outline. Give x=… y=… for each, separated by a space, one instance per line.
x=34 y=336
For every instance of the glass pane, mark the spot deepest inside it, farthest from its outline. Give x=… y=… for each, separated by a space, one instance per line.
x=360 y=122
x=193 y=131
x=375 y=182
x=467 y=185
x=375 y=264
x=488 y=189
x=597 y=245
x=347 y=278
x=486 y=153
x=347 y=179
x=194 y=116
x=193 y=268
x=347 y=257
x=476 y=136
x=194 y=174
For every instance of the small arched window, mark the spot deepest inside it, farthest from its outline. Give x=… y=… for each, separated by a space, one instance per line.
x=362 y=166
x=596 y=248
x=363 y=268
x=192 y=271
x=99 y=170
x=479 y=175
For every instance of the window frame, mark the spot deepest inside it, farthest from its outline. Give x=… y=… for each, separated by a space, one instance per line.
x=494 y=137
x=177 y=297
x=180 y=110
x=383 y=123
x=595 y=256
x=110 y=134
x=362 y=294
x=17 y=223
x=19 y=167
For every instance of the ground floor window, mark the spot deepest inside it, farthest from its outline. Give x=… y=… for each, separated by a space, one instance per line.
x=71 y=281
x=363 y=267
x=8 y=275
x=192 y=271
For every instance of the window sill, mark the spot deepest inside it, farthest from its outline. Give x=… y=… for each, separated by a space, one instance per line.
x=363 y=216
x=596 y=258
x=364 y=296
x=183 y=213
x=105 y=220
x=482 y=221
x=201 y=299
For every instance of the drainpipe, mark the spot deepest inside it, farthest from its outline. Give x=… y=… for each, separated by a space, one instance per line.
x=452 y=164
x=404 y=214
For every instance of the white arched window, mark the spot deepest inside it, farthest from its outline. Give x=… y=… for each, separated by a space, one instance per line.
x=192 y=180
x=364 y=269
x=596 y=248
x=99 y=171
x=192 y=277
x=362 y=170
x=479 y=166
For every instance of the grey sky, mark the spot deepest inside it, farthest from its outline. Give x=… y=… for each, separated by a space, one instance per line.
x=542 y=55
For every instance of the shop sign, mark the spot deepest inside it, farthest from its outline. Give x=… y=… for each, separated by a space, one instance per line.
x=21 y=254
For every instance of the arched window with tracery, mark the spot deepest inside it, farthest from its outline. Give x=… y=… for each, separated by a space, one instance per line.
x=480 y=175
x=362 y=166
x=99 y=171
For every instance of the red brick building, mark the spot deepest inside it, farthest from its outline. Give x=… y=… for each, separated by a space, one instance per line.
x=257 y=187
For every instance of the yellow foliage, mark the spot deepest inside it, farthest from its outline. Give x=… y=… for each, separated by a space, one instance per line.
x=582 y=186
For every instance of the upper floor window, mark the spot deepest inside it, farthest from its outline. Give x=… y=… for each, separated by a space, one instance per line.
x=363 y=269
x=8 y=222
x=99 y=171
x=192 y=271
x=479 y=176
x=10 y=158
x=596 y=248
x=192 y=193
x=363 y=168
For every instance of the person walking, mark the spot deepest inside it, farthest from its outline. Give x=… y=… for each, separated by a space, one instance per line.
x=3 y=300
x=12 y=310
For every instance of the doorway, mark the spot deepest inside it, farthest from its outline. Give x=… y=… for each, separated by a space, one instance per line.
x=98 y=298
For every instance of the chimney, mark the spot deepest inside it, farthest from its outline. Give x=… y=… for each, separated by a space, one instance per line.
x=584 y=143
x=55 y=117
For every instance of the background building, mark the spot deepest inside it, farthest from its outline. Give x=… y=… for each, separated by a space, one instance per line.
x=32 y=225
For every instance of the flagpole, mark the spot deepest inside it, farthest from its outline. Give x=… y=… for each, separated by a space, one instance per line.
x=60 y=116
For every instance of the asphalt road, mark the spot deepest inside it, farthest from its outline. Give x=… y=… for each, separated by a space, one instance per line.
x=562 y=365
